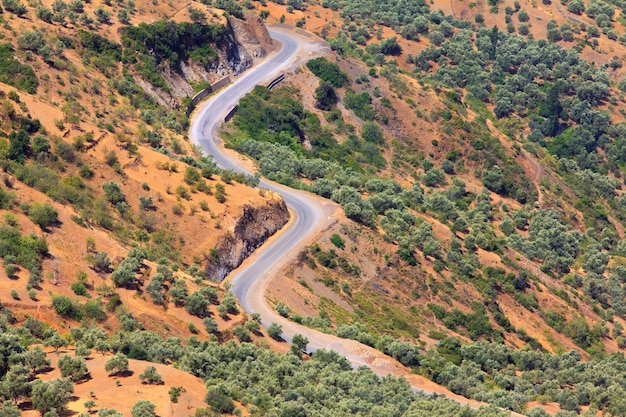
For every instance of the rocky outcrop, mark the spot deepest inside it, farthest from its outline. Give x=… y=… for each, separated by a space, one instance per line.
x=254 y=227
x=245 y=42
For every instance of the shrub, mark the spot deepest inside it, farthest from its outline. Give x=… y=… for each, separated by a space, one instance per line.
x=100 y=261
x=275 y=331
x=14 y=73
x=65 y=307
x=10 y=270
x=175 y=392
x=328 y=72
x=242 y=334
x=220 y=193
x=65 y=151
x=337 y=241
x=192 y=175
x=43 y=215
x=94 y=310
x=360 y=104
x=113 y=192
x=79 y=288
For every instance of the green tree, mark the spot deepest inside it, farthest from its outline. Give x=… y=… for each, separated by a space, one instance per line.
x=123 y=16
x=56 y=341
x=89 y=405
x=35 y=359
x=102 y=15
x=210 y=325
x=197 y=16
x=15 y=7
x=390 y=46
x=253 y=326
x=299 y=344
x=15 y=384
x=219 y=399
x=109 y=412
x=41 y=145
x=143 y=408
x=72 y=367
x=371 y=132
x=151 y=376
x=82 y=350
x=178 y=292
x=328 y=72
x=242 y=333
x=230 y=303
x=19 y=146
x=65 y=307
x=51 y=395
x=325 y=97
x=230 y=6
x=117 y=365
x=155 y=289
x=8 y=409
x=198 y=303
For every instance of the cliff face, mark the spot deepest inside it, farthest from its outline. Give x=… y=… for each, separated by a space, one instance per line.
x=252 y=229
x=245 y=42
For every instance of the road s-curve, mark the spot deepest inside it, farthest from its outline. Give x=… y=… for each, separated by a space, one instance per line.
x=310 y=216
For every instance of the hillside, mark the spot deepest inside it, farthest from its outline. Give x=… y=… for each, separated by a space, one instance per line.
x=476 y=151
x=109 y=216
x=499 y=215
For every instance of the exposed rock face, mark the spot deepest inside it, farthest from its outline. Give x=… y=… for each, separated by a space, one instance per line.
x=253 y=228
x=245 y=42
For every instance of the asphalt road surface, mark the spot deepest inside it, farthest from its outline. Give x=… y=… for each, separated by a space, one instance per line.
x=310 y=215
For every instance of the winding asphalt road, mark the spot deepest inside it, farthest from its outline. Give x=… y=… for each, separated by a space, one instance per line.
x=310 y=216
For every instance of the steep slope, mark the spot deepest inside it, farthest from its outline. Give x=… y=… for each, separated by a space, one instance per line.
x=499 y=216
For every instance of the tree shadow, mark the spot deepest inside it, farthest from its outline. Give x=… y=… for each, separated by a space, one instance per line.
x=25 y=405
x=123 y=374
x=87 y=377
x=67 y=412
x=153 y=383
x=12 y=271
x=44 y=370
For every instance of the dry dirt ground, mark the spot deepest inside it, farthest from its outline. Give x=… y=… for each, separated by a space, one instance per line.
x=122 y=395
x=194 y=232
